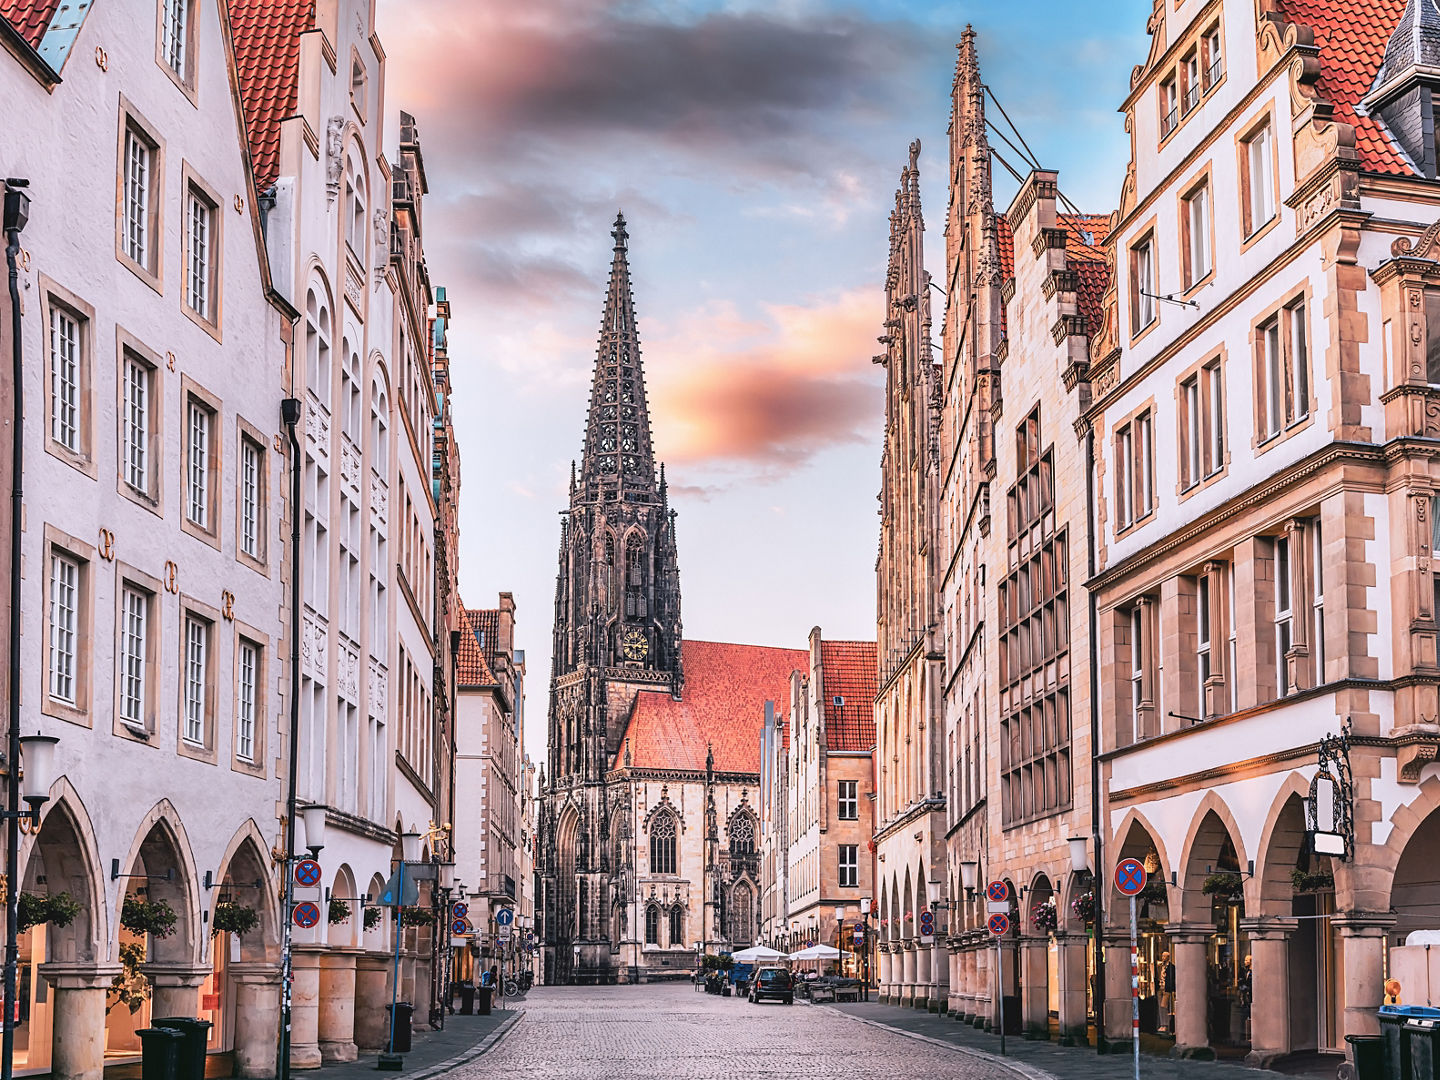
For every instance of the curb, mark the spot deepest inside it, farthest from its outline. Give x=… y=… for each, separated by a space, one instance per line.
x=469 y=1055
x=1017 y=1067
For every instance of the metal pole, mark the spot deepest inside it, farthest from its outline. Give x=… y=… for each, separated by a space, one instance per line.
x=12 y=752
x=399 y=931
x=1000 y=991
x=290 y=414
x=1134 y=988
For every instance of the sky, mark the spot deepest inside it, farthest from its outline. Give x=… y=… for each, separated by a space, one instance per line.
x=755 y=148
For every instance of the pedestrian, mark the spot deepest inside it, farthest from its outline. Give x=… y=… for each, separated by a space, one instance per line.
x=1167 y=993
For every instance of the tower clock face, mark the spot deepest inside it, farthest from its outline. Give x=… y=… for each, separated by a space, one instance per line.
x=634 y=644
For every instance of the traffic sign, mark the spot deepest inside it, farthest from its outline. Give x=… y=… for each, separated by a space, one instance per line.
x=1129 y=877
x=307 y=873
x=999 y=925
x=997 y=892
x=505 y=916
x=459 y=909
x=859 y=935
x=458 y=927
x=307 y=914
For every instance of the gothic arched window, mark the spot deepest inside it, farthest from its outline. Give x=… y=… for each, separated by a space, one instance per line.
x=610 y=592
x=652 y=925
x=635 y=602
x=742 y=915
x=742 y=835
x=677 y=926
x=662 y=844
x=317 y=346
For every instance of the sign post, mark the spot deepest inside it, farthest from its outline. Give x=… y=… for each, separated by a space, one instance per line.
x=997 y=907
x=1129 y=880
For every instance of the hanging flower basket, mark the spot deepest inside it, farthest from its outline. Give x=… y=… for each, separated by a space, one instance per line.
x=1223 y=886
x=234 y=918
x=1317 y=881
x=58 y=910
x=1153 y=892
x=416 y=916
x=153 y=917
x=371 y=918
x=339 y=911
x=1083 y=907
x=909 y=916
x=1045 y=917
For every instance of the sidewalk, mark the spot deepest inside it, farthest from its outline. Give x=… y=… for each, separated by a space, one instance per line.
x=1049 y=1059
x=433 y=1052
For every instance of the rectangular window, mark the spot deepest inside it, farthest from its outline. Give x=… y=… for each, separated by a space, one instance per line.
x=1272 y=363
x=1232 y=643
x=198 y=426
x=1212 y=393
x=849 y=809
x=1144 y=472
x=251 y=478
x=1317 y=602
x=1190 y=80
x=1297 y=403
x=173 y=31
x=1283 y=369
x=1137 y=666
x=197 y=654
x=1203 y=615
x=1432 y=339
x=1214 y=56
x=1142 y=284
x=1124 y=476
x=199 y=251
x=849 y=866
x=1259 y=178
x=1284 y=614
x=64 y=627
x=246 y=705
x=139 y=161
x=134 y=637
x=1197 y=235
x=65 y=378
x=1192 y=437
x=1169 y=107
x=135 y=423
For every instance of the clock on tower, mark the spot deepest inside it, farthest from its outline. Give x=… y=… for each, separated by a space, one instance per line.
x=634 y=644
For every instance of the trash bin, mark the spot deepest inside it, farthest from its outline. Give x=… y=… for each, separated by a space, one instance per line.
x=486 y=993
x=467 y=998
x=1412 y=1041
x=401 y=1012
x=159 y=1053
x=195 y=1038
x=1423 y=1035
x=1369 y=1052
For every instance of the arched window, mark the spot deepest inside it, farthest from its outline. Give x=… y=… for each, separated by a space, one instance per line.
x=610 y=598
x=317 y=347
x=635 y=604
x=677 y=927
x=354 y=206
x=652 y=925
x=379 y=429
x=742 y=914
x=742 y=835
x=662 y=844
x=350 y=414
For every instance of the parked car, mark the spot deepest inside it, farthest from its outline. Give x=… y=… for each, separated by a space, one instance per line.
x=772 y=983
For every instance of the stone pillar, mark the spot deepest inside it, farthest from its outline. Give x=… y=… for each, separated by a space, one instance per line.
x=1070 y=969
x=335 y=1025
x=924 y=976
x=176 y=989
x=77 y=1018
x=1270 y=988
x=305 y=1007
x=1118 y=1022
x=907 y=977
x=1192 y=1032
x=952 y=960
x=257 y=1017
x=882 y=975
x=1362 y=942
x=372 y=994
x=1034 y=988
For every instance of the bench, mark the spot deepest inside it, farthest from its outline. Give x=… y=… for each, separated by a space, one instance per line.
x=847 y=993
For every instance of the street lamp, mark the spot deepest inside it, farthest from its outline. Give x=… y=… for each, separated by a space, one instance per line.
x=409 y=852
x=314 y=818
x=970 y=877
x=1079 y=854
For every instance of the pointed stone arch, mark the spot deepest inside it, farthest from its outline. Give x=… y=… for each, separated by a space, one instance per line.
x=245 y=863
x=160 y=846
x=1211 y=822
x=65 y=850
x=1272 y=890
x=1135 y=838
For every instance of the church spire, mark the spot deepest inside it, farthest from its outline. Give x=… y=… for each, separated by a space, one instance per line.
x=619 y=460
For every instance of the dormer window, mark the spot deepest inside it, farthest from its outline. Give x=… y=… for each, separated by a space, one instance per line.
x=838 y=701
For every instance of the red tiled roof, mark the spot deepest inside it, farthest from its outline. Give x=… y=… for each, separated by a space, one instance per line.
x=470 y=666
x=1093 y=278
x=29 y=17
x=1077 y=227
x=723 y=707
x=1351 y=36
x=487 y=624
x=848 y=671
x=1007 y=246
x=267 y=59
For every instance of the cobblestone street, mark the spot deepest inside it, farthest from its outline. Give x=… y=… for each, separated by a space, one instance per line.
x=669 y=1031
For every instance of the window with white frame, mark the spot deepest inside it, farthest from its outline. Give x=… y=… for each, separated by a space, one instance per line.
x=174 y=36
x=1190 y=80
x=849 y=800
x=200 y=254
x=354 y=207
x=139 y=195
x=1197 y=235
x=1169 y=106
x=1192 y=437
x=1142 y=284
x=247 y=700
x=1137 y=665
x=1135 y=471
x=199 y=464
x=1282 y=363
x=137 y=423
x=197 y=659
x=317 y=347
x=252 y=488
x=1212 y=396
x=849 y=866
x=1297 y=403
x=132 y=674
x=1317 y=601
x=1258 y=177
x=65 y=367
x=351 y=417
x=65 y=574
x=1214 y=50
x=379 y=430
x=1284 y=614
x=1204 y=613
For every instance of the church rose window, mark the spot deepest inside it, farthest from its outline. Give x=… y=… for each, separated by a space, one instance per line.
x=662 y=844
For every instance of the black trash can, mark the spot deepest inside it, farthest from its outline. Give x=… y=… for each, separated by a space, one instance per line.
x=1423 y=1034
x=486 y=993
x=159 y=1053
x=467 y=998
x=401 y=1012
x=1412 y=1041
x=1369 y=1051
x=195 y=1037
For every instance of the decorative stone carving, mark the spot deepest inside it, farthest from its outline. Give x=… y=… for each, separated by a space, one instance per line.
x=350 y=465
x=313 y=645
x=376 y=686
x=379 y=497
x=354 y=290
x=348 y=675
x=1423 y=248
x=334 y=159
x=382 y=241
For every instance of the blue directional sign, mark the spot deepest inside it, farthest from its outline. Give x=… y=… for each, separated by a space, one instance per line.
x=505 y=916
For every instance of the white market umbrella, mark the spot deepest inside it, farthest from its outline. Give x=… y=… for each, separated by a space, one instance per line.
x=757 y=952
x=816 y=952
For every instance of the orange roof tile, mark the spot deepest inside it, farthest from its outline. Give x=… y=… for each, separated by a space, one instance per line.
x=471 y=668
x=1092 y=279
x=1079 y=227
x=1006 y=239
x=722 y=707
x=1351 y=36
x=30 y=18
x=267 y=59
x=849 y=672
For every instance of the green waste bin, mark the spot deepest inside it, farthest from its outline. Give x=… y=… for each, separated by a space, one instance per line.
x=195 y=1039
x=1369 y=1053
x=159 y=1053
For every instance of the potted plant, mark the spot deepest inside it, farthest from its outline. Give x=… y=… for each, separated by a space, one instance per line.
x=371 y=919
x=1312 y=881
x=339 y=911
x=1223 y=886
x=129 y=988
x=233 y=917
x=1045 y=917
x=58 y=910
x=153 y=917
x=1083 y=907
